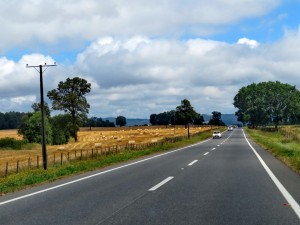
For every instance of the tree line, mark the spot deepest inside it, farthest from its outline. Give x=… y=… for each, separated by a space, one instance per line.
x=10 y=120
x=184 y=114
x=268 y=103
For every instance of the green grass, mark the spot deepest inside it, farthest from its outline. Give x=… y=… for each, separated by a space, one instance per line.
x=287 y=151
x=37 y=176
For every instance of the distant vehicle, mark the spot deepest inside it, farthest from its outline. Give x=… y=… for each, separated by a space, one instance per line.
x=230 y=129
x=217 y=134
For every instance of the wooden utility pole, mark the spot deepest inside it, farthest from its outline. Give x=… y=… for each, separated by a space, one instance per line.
x=44 y=150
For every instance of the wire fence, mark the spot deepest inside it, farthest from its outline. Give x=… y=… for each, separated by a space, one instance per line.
x=67 y=157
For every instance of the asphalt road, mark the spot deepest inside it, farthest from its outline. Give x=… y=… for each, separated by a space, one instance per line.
x=220 y=181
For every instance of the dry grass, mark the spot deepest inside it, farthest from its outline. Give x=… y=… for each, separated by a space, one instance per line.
x=93 y=139
x=10 y=133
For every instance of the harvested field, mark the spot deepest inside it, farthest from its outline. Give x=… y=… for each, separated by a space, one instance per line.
x=94 y=138
x=10 y=133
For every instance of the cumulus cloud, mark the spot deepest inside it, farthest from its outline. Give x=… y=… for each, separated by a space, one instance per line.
x=135 y=68
x=248 y=42
x=140 y=75
x=26 y=23
x=15 y=78
x=19 y=85
x=155 y=74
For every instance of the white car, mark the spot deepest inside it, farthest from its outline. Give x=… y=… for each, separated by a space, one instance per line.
x=217 y=134
x=230 y=129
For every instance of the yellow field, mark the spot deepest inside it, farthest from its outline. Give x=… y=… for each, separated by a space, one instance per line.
x=10 y=133
x=94 y=139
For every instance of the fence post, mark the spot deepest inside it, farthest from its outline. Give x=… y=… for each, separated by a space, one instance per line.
x=54 y=159
x=61 y=158
x=6 y=169
x=68 y=156
x=38 y=161
x=29 y=163
x=18 y=166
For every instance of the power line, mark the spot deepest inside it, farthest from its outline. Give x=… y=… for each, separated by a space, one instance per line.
x=45 y=66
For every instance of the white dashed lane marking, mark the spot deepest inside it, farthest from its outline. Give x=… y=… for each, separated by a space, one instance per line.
x=161 y=184
x=192 y=163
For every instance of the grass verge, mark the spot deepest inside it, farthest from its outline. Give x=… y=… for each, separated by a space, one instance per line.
x=275 y=142
x=33 y=177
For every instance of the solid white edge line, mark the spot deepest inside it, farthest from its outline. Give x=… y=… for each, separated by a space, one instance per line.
x=192 y=163
x=206 y=153
x=160 y=184
x=295 y=206
x=97 y=174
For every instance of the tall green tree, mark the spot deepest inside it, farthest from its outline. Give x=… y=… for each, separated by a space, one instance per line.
x=70 y=97
x=216 y=119
x=266 y=103
x=121 y=121
x=153 y=119
x=185 y=113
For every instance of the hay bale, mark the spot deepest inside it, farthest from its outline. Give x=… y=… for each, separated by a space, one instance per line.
x=61 y=148
x=98 y=145
x=131 y=142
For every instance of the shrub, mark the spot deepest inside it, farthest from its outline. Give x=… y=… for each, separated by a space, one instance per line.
x=11 y=143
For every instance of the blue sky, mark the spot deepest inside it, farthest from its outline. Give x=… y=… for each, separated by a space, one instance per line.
x=144 y=57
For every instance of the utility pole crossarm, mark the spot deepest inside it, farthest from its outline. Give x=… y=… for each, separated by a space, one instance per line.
x=45 y=65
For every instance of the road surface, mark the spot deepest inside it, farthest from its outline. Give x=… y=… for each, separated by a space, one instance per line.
x=227 y=181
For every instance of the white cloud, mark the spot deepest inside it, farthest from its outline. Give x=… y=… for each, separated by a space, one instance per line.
x=15 y=78
x=26 y=23
x=23 y=99
x=156 y=74
x=20 y=86
x=248 y=42
x=134 y=67
x=138 y=76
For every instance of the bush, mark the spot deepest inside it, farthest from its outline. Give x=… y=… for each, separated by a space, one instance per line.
x=11 y=143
